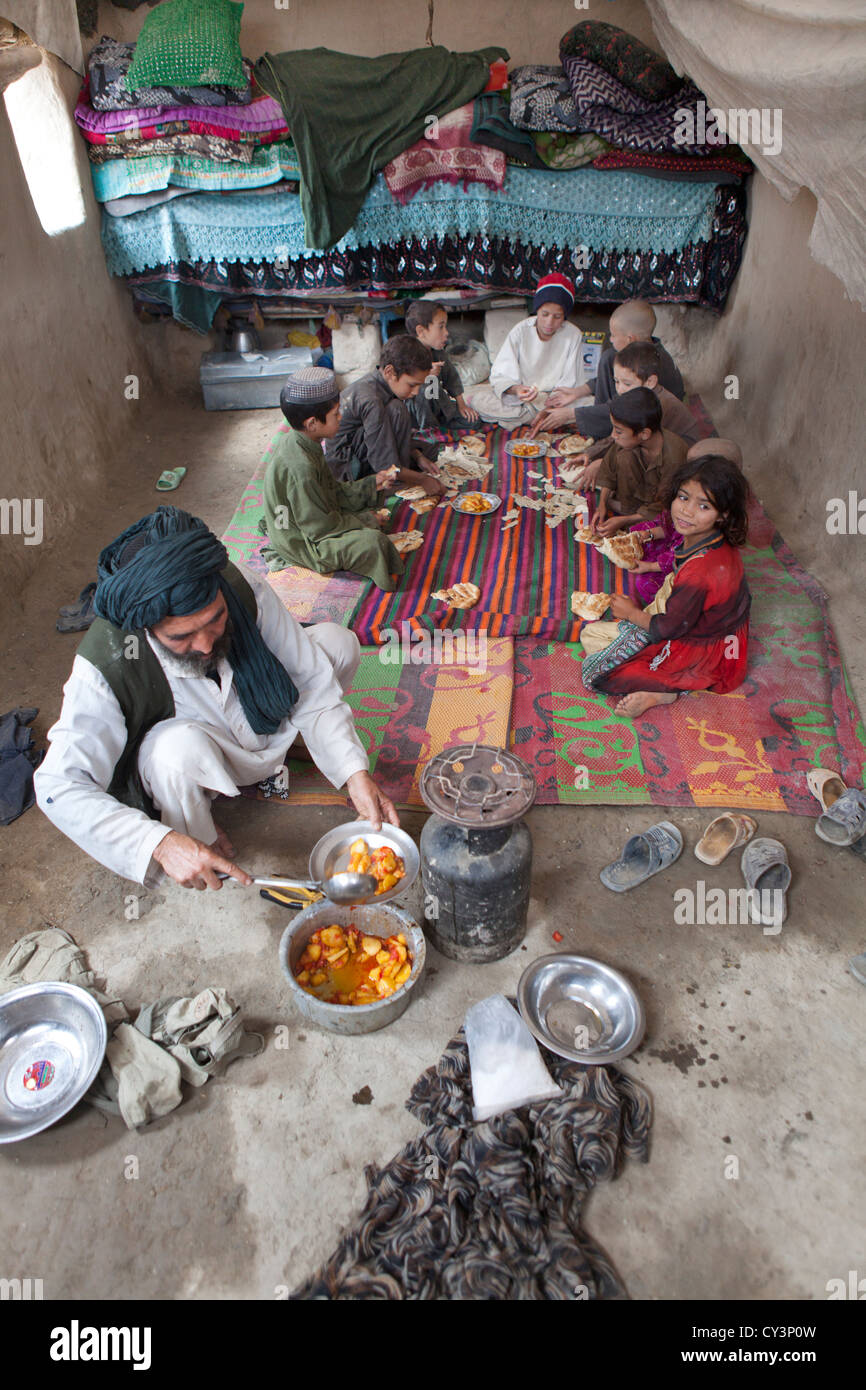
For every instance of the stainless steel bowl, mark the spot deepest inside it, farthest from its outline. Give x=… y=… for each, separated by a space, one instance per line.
x=373 y=920
x=52 y=1041
x=581 y=1009
x=331 y=854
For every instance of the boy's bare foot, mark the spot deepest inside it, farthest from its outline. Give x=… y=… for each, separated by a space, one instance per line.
x=639 y=701
x=223 y=845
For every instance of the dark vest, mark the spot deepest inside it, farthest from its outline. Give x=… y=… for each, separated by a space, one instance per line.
x=139 y=684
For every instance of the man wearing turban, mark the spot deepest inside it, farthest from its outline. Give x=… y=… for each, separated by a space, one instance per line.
x=193 y=681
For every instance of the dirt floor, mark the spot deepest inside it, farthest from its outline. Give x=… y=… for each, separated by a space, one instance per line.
x=753 y=1049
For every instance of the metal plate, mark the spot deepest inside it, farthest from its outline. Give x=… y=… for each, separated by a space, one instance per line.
x=459 y=503
x=331 y=854
x=476 y=784
x=581 y=1009
x=52 y=1041
x=537 y=444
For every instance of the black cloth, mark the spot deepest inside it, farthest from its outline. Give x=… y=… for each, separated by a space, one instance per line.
x=18 y=758
x=492 y=1210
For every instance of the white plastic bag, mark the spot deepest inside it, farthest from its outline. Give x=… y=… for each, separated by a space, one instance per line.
x=472 y=361
x=504 y=1060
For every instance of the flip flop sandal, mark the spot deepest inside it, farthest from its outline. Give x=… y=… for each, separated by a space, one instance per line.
x=77 y=617
x=73 y=610
x=723 y=834
x=644 y=855
x=845 y=821
x=825 y=786
x=170 y=479
x=767 y=874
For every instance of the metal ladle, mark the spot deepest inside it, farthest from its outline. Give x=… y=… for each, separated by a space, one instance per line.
x=339 y=888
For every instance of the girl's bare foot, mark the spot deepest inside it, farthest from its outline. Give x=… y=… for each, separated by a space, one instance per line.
x=639 y=701
x=223 y=845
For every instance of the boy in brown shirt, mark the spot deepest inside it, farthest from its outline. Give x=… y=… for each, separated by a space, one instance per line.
x=638 y=464
x=633 y=366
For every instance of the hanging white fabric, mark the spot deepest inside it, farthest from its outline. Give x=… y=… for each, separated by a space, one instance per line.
x=802 y=68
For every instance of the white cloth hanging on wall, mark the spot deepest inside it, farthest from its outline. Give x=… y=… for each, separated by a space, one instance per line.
x=808 y=62
x=52 y=24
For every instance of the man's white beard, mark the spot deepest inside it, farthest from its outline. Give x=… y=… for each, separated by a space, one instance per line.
x=193 y=663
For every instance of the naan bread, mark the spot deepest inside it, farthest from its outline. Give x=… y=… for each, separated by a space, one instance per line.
x=589 y=606
x=424 y=504
x=623 y=549
x=473 y=443
x=411 y=494
x=586 y=535
x=459 y=595
x=406 y=541
x=573 y=444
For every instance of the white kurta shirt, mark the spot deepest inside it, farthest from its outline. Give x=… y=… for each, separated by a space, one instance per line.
x=90 y=736
x=526 y=360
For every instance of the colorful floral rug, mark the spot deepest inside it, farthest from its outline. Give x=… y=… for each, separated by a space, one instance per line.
x=407 y=711
x=751 y=749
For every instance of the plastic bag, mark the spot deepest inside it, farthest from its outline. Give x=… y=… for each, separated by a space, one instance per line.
x=472 y=361
x=504 y=1060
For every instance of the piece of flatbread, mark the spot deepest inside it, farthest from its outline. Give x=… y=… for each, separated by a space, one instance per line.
x=406 y=541
x=589 y=606
x=573 y=444
x=411 y=494
x=623 y=549
x=473 y=443
x=586 y=535
x=459 y=595
x=424 y=504
x=572 y=476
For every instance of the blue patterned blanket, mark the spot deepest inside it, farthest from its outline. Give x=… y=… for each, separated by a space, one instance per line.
x=611 y=212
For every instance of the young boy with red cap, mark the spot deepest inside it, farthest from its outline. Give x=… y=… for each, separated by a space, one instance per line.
x=540 y=355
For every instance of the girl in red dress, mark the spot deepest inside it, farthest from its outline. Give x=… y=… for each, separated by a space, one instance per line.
x=700 y=641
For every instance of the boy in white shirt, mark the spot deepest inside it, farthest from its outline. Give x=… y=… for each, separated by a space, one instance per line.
x=540 y=355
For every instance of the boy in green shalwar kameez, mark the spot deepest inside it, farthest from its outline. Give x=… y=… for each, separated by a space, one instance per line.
x=311 y=519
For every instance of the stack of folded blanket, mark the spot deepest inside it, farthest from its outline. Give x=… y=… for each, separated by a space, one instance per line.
x=179 y=111
x=611 y=102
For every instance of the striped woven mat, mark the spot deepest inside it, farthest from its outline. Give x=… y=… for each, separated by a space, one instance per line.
x=516 y=676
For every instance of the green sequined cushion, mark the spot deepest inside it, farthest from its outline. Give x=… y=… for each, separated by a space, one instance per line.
x=193 y=43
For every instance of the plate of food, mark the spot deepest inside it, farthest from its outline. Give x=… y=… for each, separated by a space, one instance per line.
x=476 y=503
x=526 y=448
x=389 y=854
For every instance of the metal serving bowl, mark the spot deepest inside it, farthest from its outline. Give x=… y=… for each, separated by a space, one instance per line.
x=331 y=854
x=52 y=1041
x=567 y=1000
x=373 y=920
x=459 y=503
